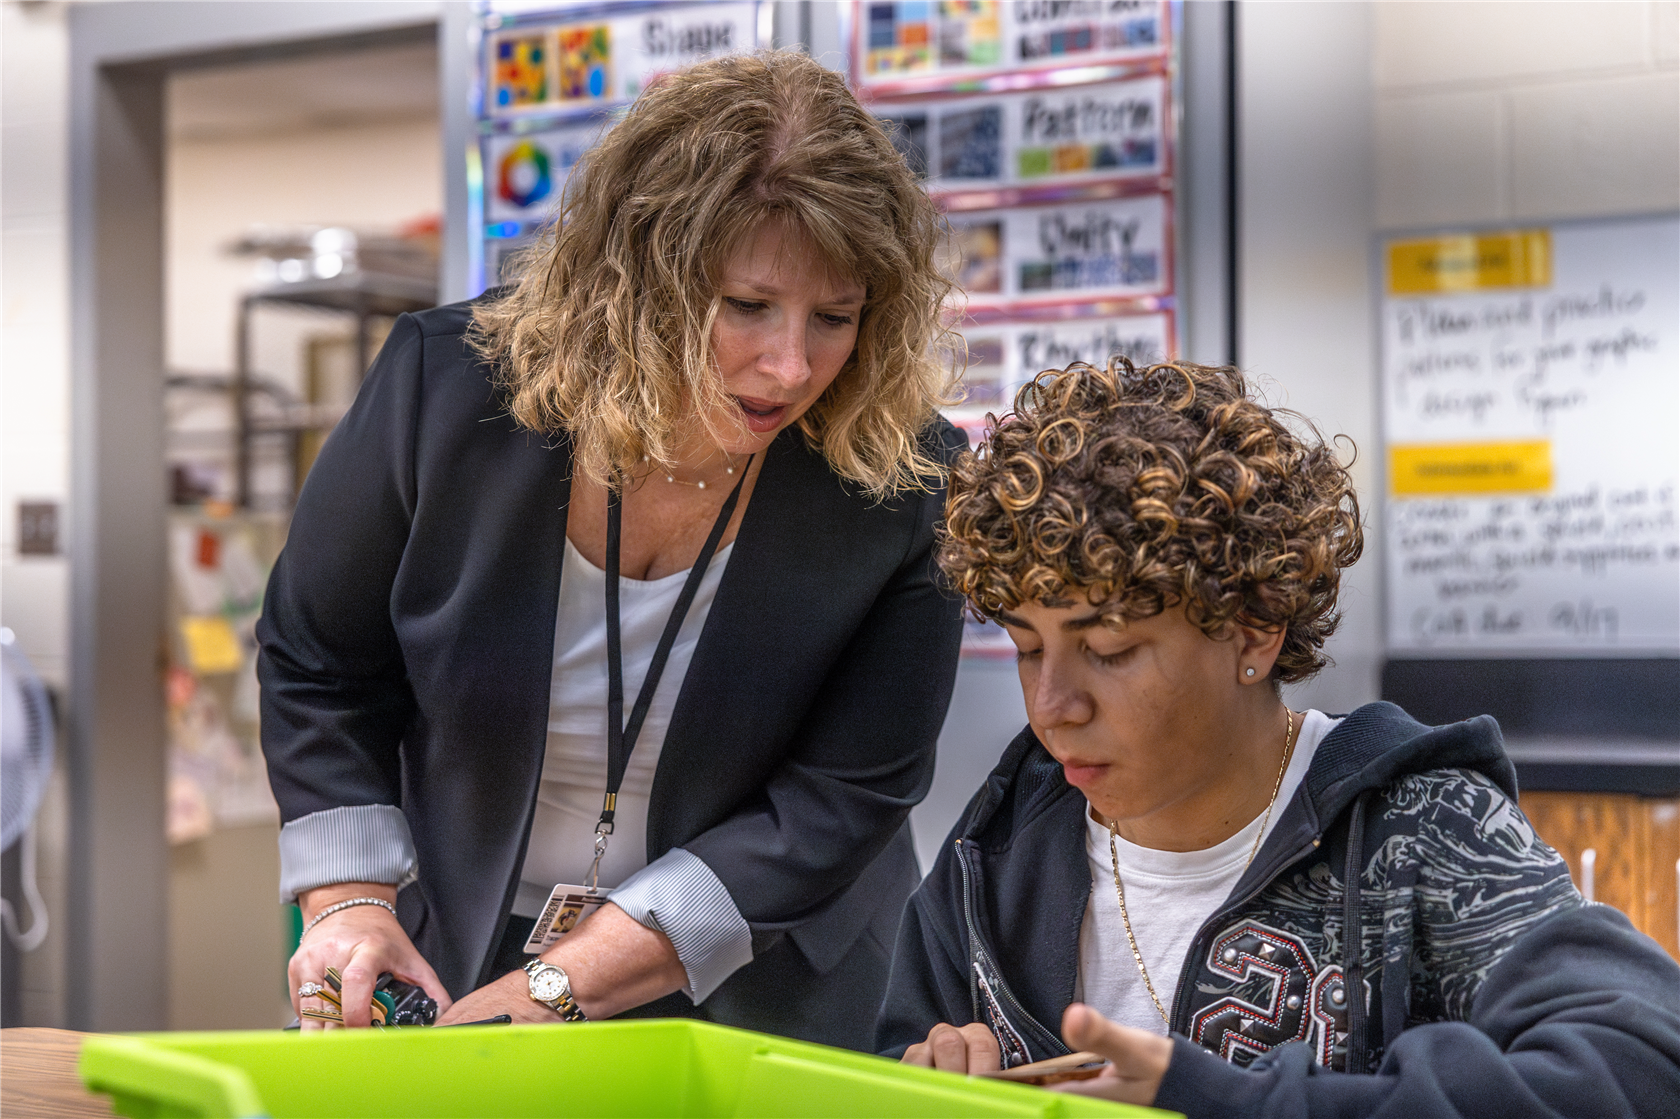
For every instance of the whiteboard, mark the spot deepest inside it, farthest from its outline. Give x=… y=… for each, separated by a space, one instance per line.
x=1531 y=415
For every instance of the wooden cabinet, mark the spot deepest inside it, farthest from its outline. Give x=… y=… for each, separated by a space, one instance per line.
x=1622 y=850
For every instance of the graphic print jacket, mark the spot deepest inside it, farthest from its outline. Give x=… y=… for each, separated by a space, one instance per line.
x=1483 y=983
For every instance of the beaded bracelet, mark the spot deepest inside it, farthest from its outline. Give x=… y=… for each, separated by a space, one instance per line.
x=345 y=904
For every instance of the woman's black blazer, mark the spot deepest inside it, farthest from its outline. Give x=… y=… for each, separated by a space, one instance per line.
x=407 y=645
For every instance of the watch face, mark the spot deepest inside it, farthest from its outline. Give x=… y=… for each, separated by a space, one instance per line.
x=548 y=985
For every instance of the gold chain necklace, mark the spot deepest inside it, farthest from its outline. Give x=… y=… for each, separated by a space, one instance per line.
x=1120 y=890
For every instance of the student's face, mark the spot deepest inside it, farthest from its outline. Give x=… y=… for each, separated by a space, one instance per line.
x=785 y=329
x=1135 y=715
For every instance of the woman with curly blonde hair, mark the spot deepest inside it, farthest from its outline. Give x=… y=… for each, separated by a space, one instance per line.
x=1170 y=865
x=691 y=453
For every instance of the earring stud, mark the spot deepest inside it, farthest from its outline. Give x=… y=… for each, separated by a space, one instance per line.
x=1251 y=672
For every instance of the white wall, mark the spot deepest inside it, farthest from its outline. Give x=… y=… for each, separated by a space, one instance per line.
x=367 y=176
x=35 y=399
x=1359 y=117
x=1304 y=324
x=1514 y=112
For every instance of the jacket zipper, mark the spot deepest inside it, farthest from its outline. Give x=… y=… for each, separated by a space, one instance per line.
x=1198 y=945
x=978 y=954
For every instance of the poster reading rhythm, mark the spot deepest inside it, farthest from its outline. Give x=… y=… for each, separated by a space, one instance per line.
x=1003 y=356
x=1045 y=137
x=1079 y=251
x=1531 y=383
x=898 y=41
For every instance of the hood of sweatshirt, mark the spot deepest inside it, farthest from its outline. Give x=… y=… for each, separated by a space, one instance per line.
x=1368 y=749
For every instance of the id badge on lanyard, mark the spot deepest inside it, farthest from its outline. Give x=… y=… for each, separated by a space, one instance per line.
x=569 y=904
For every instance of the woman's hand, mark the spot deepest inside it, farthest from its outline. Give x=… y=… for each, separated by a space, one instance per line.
x=362 y=941
x=613 y=961
x=970 y=1049
x=1137 y=1059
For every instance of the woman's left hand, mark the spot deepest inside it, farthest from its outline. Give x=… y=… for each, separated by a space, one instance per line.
x=614 y=963
x=508 y=995
x=1137 y=1059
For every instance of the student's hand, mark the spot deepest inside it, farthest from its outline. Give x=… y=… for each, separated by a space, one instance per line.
x=970 y=1048
x=1137 y=1059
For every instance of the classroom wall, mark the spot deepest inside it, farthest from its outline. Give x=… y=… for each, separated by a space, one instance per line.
x=35 y=401
x=1513 y=112
x=1358 y=118
x=1355 y=118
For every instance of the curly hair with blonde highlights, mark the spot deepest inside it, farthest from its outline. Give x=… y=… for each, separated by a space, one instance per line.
x=1138 y=490
x=605 y=335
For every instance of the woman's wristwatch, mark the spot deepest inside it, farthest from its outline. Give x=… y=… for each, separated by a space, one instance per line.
x=552 y=987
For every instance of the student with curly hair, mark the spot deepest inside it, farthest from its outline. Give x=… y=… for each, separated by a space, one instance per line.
x=679 y=478
x=1230 y=902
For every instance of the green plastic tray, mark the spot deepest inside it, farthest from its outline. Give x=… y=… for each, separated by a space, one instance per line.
x=646 y=1068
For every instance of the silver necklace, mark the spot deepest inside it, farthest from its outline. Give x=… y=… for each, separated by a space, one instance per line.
x=728 y=471
x=1120 y=890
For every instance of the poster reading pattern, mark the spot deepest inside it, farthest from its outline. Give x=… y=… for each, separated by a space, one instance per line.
x=1046 y=137
x=1531 y=383
x=901 y=44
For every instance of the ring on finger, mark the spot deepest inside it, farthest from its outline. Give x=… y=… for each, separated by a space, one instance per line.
x=310 y=990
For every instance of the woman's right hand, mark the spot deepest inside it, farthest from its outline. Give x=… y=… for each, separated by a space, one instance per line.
x=362 y=941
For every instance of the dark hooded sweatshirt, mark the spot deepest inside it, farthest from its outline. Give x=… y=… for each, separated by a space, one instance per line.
x=1489 y=986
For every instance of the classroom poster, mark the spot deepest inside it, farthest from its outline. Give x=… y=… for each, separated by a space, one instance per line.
x=900 y=44
x=1531 y=383
x=608 y=58
x=1001 y=357
x=1050 y=137
x=525 y=173
x=1066 y=251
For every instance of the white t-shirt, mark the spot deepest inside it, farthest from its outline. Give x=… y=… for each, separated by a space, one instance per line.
x=574 y=774
x=1169 y=894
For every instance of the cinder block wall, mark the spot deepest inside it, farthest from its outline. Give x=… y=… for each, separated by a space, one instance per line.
x=1489 y=112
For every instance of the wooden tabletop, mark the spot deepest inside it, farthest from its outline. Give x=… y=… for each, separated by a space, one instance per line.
x=38 y=1076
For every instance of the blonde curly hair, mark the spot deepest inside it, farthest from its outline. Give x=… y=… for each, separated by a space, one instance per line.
x=606 y=333
x=1137 y=490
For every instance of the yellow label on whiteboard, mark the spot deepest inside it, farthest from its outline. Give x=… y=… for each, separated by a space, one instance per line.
x=1517 y=258
x=212 y=646
x=1426 y=468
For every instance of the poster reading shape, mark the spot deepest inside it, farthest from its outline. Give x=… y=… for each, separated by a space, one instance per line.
x=585 y=63
x=1068 y=251
x=521 y=70
x=566 y=67
x=905 y=40
x=1050 y=138
x=1532 y=414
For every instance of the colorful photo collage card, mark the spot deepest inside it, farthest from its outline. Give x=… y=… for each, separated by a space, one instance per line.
x=586 y=63
x=1038 y=142
x=525 y=173
x=910 y=44
x=1065 y=252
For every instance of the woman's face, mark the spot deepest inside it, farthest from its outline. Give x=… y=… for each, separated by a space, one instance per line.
x=1138 y=716
x=786 y=326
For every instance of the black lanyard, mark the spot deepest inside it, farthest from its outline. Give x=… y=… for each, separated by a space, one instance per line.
x=621 y=736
